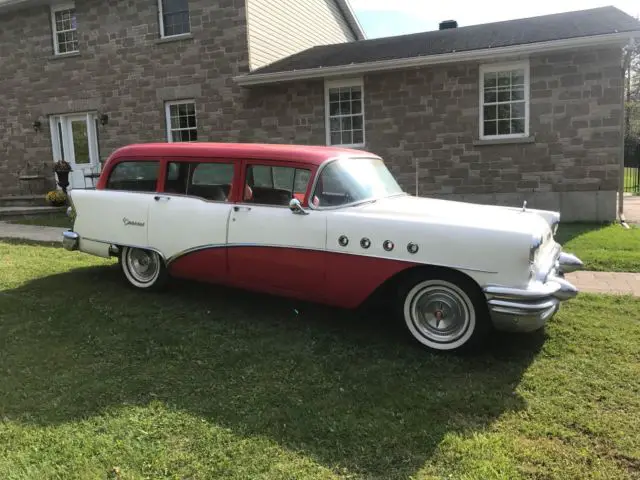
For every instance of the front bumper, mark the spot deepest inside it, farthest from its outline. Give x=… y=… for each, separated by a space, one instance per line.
x=70 y=240
x=526 y=310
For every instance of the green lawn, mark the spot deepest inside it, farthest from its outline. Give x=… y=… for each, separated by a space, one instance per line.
x=100 y=381
x=603 y=247
x=48 y=220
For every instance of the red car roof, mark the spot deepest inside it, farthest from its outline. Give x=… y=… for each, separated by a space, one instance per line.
x=312 y=154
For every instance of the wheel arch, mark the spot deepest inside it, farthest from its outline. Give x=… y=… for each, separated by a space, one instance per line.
x=391 y=285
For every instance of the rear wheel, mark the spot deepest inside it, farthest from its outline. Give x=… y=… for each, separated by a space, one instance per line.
x=142 y=268
x=444 y=312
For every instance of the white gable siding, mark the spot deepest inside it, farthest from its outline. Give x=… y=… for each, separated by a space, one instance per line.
x=279 y=28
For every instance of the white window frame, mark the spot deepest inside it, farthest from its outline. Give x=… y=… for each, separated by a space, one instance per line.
x=58 y=8
x=161 y=22
x=167 y=113
x=350 y=82
x=501 y=67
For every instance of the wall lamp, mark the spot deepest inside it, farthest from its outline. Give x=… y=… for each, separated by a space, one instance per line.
x=104 y=119
x=37 y=125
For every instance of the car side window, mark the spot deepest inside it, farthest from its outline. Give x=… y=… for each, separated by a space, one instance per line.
x=273 y=185
x=135 y=176
x=208 y=180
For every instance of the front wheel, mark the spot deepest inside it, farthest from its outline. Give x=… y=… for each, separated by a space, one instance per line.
x=444 y=313
x=144 y=269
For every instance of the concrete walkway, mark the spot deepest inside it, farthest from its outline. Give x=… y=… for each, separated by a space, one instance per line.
x=31 y=232
x=591 y=282
x=606 y=282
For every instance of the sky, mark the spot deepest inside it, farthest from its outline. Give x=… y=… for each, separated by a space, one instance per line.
x=381 y=18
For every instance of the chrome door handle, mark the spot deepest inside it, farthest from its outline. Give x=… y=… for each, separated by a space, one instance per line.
x=157 y=198
x=238 y=208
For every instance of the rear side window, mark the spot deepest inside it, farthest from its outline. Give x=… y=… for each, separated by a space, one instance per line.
x=271 y=185
x=211 y=181
x=135 y=176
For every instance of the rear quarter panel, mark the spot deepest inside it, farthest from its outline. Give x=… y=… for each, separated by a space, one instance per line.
x=110 y=216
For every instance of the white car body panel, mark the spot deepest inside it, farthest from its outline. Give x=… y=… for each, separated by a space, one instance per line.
x=177 y=224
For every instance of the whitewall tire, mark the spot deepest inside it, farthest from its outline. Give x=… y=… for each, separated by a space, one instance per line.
x=143 y=269
x=443 y=314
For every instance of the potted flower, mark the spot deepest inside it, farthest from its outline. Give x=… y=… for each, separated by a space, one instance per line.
x=57 y=198
x=62 y=169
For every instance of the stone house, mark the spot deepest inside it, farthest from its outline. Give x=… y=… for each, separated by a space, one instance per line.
x=528 y=109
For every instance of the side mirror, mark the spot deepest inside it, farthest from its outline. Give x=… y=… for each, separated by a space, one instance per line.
x=296 y=207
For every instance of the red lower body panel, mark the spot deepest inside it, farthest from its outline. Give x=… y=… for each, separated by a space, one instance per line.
x=325 y=277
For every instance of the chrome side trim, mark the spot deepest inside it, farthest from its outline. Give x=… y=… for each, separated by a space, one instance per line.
x=176 y=256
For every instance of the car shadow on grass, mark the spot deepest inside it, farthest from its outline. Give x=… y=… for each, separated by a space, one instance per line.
x=350 y=390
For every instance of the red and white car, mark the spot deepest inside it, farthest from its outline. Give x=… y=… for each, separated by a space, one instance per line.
x=327 y=225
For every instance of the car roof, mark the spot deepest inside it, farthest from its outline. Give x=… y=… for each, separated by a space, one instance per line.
x=312 y=154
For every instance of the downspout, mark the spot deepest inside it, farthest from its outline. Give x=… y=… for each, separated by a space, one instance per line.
x=626 y=58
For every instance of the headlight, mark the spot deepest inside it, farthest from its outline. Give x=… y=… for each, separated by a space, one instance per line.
x=536 y=243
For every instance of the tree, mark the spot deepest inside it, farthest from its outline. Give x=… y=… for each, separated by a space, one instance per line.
x=632 y=91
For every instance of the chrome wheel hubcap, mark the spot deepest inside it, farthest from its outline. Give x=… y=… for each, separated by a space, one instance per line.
x=143 y=265
x=440 y=313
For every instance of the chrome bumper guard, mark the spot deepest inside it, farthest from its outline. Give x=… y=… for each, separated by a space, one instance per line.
x=70 y=240
x=526 y=310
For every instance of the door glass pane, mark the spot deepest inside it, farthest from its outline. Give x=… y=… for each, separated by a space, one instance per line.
x=80 y=141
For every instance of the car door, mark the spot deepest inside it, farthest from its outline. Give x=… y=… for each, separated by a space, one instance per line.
x=118 y=213
x=188 y=219
x=271 y=248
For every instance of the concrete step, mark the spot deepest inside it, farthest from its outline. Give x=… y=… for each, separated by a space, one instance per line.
x=14 y=212
x=23 y=201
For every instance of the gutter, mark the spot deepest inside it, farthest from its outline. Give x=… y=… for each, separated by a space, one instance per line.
x=248 y=80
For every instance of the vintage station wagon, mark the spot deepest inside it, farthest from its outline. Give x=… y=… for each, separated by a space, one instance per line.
x=327 y=225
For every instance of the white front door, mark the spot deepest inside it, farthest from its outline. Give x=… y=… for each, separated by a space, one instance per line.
x=74 y=138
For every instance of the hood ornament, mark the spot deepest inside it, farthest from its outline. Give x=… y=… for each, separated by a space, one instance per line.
x=524 y=206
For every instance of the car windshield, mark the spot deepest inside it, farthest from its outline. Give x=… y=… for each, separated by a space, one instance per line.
x=345 y=182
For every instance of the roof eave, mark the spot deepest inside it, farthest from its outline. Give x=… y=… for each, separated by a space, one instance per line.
x=352 y=19
x=248 y=80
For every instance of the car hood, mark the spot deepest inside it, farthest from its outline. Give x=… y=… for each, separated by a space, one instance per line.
x=477 y=216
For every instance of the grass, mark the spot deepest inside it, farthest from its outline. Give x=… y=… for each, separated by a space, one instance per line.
x=48 y=220
x=609 y=248
x=100 y=381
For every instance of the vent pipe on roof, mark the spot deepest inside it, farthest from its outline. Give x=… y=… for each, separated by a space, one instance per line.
x=447 y=24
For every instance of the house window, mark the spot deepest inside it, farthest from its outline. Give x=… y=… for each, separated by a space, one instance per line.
x=504 y=97
x=174 y=17
x=345 y=113
x=65 y=33
x=181 y=121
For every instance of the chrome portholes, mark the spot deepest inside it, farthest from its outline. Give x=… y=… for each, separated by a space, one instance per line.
x=365 y=243
x=388 y=245
x=413 y=248
x=343 y=241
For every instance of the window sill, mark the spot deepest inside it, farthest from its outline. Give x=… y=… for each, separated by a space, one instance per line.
x=505 y=141
x=59 y=56
x=357 y=146
x=174 y=38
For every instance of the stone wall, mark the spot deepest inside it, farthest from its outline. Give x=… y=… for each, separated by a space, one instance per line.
x=427 y=120
x=123 y=70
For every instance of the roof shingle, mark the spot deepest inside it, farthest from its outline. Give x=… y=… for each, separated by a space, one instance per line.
x=582 y=23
